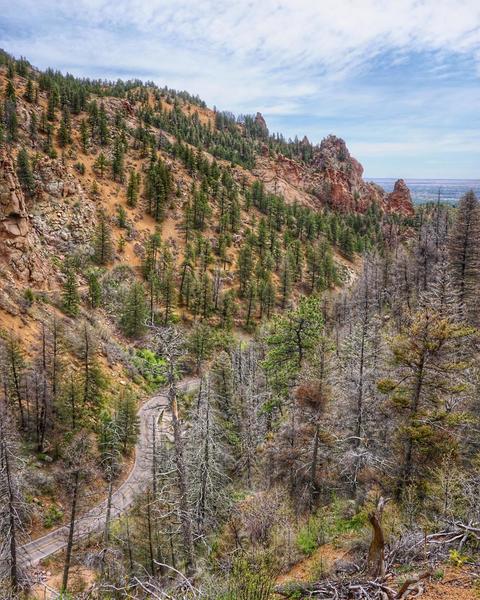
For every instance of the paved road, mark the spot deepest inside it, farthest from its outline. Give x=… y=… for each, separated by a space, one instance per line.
x=156 y=408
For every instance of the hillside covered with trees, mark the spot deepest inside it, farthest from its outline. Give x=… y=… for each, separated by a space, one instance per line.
x=259 y=369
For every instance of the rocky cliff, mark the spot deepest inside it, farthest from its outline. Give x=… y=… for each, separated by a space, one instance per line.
x=400 y=200
x=17 y=237
x=333 y=178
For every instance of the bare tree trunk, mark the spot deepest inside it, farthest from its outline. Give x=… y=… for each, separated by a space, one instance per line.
x=11 y=511
x=376 y=552
x=108 y=514
x=186 y=525
x=68 y=557
x=150 y=537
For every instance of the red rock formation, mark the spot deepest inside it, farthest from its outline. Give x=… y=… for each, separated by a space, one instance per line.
x=260 y=121
x=16 y=235
x=334 y=178
x=400 y=200
x=340 y=184
x=13 y=213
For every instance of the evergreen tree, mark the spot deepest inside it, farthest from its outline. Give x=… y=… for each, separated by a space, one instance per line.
x=29 y=94
x=464 y=247
x=133 y=188
x=204 y=300
x=286 y=280
x=84 y=139
x=245 y=266
x=11 y=120
x=33 y=129
x=118 y=159
x=64 y=134
x=430 y=367
x=101 y=164
x=135 y=311
x=102 y=242
x=10 y=92
x=127 y=421
x=250 y=299
x=70 y=297
x=24 y=172
x=227 y=310
x=94 y=289
x=122 y=217
x=103 y=130
x=168 y=293
x=291 y=339
x=52 y=104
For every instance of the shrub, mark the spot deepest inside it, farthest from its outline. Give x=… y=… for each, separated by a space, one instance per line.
x=52 y=516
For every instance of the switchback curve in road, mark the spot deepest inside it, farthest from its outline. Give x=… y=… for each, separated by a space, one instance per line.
x=93 y=520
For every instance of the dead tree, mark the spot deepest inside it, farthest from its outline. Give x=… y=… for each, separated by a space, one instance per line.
x=12 y=506
x=376 y=552
x=170 y=344
x=78 y=469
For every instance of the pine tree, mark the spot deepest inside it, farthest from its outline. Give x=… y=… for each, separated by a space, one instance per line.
x=168 y=293
x=11 y=120
x=127 y=421
x=135 y=311
x=24 y=172
x=188 y=285
x=245 y=266
x=84 y=136
x=102 y=242
x=291 y=340
x=71 y=297
x=64 y=134
x=430 y=368
x=122 y=217
x=94 y=289
x=250 y=299
x=204 y=300
x=286 y=277
x=29 y=94
x=33 y=129
x=133 y=188
x=10 y=92
x=118 y=161
x=101 y=164
x=266 y=296
x=228 y=310
x=464 y=248
x=52 y=104
x=103 y=131
x=347 y=242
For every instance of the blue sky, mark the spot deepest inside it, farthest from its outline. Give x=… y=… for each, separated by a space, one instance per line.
x=399 y=80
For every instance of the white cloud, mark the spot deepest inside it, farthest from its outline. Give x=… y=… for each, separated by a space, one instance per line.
x=315 y=59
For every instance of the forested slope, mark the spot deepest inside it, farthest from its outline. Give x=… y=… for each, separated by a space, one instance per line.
x=145 y=237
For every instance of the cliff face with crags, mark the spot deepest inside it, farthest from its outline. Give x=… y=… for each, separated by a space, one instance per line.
x=18 y=241
x=333 y=178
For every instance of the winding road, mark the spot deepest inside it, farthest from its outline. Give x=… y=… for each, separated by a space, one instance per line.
x=93 y=521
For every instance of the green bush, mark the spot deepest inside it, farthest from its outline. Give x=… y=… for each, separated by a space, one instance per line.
x=150 y=366
x=308 y=537
x=53 y=516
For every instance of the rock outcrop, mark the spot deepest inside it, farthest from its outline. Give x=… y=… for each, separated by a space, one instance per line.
x=18 y=243
x=13 y=213
x=341 y=183
x=261 y=123
x=400 y=200
x=334 y=178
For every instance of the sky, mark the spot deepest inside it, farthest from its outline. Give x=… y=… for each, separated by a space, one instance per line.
x=399 y=80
